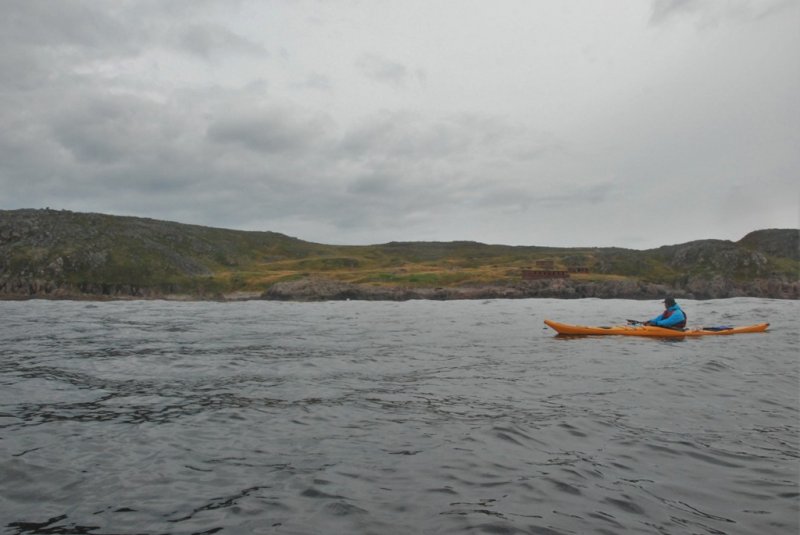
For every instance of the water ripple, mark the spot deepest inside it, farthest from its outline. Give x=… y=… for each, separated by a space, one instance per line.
x=416 y=417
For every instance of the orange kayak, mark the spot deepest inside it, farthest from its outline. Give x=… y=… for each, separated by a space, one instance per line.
x=647 y=330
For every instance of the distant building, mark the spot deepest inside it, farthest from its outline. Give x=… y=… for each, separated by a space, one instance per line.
x=535 y=274
x=580 y=269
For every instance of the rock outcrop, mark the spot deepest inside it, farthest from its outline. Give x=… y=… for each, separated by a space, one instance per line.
x=325 y=290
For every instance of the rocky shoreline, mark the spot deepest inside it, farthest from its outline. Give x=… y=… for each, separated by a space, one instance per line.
x=322 y=289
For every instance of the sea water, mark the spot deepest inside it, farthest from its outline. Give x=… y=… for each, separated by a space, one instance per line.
x=394 y=417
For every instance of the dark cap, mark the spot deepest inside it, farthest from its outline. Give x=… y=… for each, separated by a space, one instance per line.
x=669 y=301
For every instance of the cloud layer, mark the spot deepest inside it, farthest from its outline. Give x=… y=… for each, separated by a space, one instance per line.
x=545 y=123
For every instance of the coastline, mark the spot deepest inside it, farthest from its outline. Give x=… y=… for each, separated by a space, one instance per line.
x=64 y=255
x=322 y=289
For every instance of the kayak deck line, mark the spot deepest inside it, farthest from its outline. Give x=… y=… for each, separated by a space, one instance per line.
x=650 y=330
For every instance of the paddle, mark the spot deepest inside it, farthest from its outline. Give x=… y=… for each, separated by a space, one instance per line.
x=635 y=322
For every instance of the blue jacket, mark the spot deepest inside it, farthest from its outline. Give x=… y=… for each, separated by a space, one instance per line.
x=675 y=316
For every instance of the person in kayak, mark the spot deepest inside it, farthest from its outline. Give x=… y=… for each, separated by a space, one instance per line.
x=672 y=317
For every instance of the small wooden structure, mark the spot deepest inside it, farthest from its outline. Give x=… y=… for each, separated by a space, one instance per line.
x=536 y=274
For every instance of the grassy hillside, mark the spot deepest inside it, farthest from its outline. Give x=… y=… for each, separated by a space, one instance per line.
x=46 y=250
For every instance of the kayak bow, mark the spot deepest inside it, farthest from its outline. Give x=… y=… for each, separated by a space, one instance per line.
x=649 y=330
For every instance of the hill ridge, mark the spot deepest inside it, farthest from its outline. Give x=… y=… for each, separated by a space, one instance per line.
x=63 y=254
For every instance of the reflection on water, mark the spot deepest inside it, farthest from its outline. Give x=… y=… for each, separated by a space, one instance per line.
x=414 y=417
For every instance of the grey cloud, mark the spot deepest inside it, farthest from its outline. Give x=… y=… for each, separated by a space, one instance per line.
x=395 y=192
x=270 y=131
x=220 y=153
x=50 y=24
x=94 y=145
x=209 y=40
x=183 y=9
x=569 y=195
x=383 y=70
x=316 y=81
x=401 y=135
x=104 y=128
x=61 y=35
x=712 y=12
x=371 y=185
x=87 y=128
x=403 y=165
x=663 y=10
x=42 y=42
x=22 y=70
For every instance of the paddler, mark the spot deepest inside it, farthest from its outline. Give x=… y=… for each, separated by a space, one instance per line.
x=672 y=317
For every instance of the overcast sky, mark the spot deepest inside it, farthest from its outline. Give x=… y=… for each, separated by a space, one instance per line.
x=629 y=123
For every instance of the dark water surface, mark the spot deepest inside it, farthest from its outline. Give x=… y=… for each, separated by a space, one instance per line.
x=382 y=417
